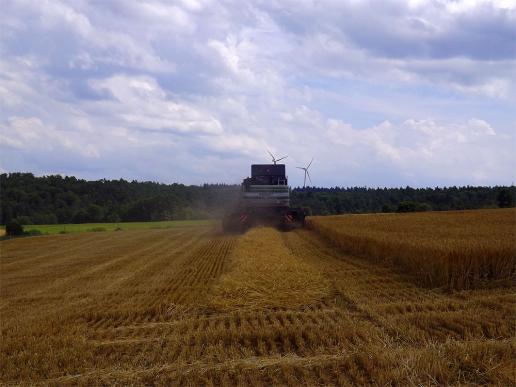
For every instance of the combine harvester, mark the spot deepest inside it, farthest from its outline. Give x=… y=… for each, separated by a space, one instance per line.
x=264 y=200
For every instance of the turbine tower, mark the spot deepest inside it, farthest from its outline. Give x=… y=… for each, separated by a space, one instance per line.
x=305 y=169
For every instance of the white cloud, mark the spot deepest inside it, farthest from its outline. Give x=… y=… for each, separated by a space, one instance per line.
x=56 y=21
x=466 y=152
x=31 y=134
x=380 y=93
x=140 y=102
x=466 y=5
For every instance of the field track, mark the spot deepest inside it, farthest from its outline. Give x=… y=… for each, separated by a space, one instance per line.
x=191 y=306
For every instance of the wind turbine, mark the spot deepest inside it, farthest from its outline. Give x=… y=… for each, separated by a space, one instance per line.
x=306 y=172
x=274 y=159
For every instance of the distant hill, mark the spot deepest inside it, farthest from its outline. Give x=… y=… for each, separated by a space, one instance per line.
x=55 y=199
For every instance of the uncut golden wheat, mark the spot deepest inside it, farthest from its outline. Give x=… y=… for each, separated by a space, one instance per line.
x=459 y=249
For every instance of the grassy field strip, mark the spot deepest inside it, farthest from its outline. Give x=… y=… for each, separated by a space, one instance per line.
x=49 y=229
x=189 y=306
x=456 y=249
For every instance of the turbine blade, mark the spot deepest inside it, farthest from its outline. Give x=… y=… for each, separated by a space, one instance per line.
x=308 y=173
x=269 y=152
x=284 y=157
x=310 y=163
x=300 y=168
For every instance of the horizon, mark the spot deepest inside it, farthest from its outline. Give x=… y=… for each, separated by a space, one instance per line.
x=381 y=94
x=314 y=187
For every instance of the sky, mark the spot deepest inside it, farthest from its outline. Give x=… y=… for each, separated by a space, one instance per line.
x=379 y=93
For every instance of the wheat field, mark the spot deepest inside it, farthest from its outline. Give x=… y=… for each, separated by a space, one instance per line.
x=456 y=249
x=191 y=306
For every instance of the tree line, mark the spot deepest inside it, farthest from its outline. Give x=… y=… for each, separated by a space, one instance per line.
x=28 y=199
x=337 y=200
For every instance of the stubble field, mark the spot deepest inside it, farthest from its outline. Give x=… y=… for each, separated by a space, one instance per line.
x=191 y=306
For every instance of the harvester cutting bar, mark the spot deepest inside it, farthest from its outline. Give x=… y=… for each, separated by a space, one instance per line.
x=265 y=200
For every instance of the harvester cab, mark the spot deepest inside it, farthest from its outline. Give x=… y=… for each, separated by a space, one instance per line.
x=264 y=199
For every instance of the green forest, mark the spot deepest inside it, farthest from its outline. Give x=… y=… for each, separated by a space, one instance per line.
x=28 y=199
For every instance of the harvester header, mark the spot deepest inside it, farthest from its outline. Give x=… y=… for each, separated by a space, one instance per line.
x=264 y=199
